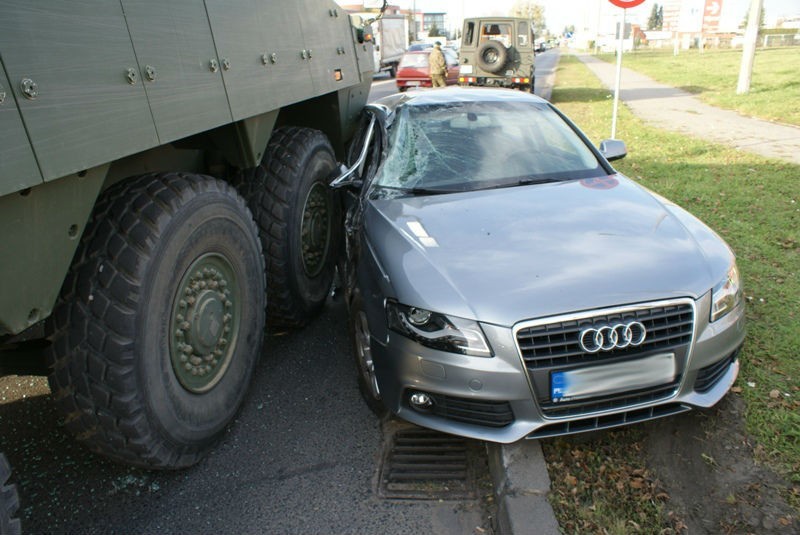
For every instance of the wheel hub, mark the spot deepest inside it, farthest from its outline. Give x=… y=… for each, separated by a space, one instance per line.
x=204 y=320
x=315 y=233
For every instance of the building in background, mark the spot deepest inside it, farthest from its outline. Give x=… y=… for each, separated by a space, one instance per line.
x=420 y=22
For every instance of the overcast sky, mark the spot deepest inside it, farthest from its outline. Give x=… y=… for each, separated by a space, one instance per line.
x=561 y=13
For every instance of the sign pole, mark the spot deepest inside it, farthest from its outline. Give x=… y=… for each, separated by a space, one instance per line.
x=624 y=4
x=619 y=75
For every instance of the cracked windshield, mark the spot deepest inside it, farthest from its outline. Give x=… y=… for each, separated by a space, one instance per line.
x=469 y=146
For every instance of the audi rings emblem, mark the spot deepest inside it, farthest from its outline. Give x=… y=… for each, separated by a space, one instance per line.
x=617 y=336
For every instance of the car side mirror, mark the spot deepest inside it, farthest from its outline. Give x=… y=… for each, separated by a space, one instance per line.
x=613 y=149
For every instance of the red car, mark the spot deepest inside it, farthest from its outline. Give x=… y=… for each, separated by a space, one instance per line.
x=413 y=69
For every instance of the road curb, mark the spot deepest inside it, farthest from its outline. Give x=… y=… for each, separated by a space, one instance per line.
x=521 y=484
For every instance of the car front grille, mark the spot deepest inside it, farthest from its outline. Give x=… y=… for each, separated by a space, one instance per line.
x=552 y=345
x=608 y=421
x=472 y=411
x=557 y=344
x=609 y=402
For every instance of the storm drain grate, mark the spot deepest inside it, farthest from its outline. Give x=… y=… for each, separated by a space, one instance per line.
x=421 y=464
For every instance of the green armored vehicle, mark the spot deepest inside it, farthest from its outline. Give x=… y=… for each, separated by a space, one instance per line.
x=497 y=51
x=163 y=191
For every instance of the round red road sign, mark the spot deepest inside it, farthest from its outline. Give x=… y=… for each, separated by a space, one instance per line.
x=626 y=3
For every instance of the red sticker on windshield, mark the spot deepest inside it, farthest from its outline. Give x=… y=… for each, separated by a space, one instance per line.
x=603 y=182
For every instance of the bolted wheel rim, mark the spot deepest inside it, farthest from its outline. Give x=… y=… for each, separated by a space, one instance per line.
x=315 y=230
x=205 y=321
x=364 y=353
x=491 y=56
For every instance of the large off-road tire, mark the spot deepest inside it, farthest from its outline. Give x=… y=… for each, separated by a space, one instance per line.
x=361 y=342
x=9 y=501
x=492 y=56
x=160 y=320
x=298 y=220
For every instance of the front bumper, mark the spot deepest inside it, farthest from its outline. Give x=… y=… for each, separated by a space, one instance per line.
x=499 y=399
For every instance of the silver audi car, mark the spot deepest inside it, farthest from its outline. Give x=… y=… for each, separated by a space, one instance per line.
x=504 y=281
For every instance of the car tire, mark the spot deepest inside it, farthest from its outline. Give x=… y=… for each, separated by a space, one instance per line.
x=361 y=342
x=294 y=208
x=393 y=70
x=492 y=56
x=9 y=501
x=160 y=321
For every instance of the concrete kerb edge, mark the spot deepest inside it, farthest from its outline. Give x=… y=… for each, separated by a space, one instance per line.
x=521 y=485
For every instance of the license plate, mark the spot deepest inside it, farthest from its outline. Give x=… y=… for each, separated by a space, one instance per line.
x=611 y=378
x=415 y=82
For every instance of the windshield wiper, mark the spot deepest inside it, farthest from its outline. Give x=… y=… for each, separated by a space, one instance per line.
x=527 y=181
x=420 y=191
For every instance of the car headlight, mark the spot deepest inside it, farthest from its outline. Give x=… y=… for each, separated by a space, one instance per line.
x=727 y=294
x=438 y=331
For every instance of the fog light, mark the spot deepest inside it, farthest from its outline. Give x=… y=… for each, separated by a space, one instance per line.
x=421 y=400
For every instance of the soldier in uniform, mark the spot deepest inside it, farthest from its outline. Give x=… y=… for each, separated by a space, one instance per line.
x=438 y=66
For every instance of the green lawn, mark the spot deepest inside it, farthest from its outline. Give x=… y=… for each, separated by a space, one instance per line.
x=754 y=204
x=713 y=74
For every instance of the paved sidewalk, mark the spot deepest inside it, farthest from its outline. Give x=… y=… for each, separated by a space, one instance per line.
x=673 y=109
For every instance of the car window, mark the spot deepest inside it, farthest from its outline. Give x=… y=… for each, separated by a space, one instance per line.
x=496 y=32
x=469 y=34
x=522 y=33
x=414 y=61
x=475 y=145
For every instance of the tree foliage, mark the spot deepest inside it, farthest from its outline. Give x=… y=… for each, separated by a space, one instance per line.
x=747 y=17
x=434 y=31
x=529 y=9
x=656 y=20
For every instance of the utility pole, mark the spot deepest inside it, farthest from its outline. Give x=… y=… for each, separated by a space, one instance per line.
x=749 y=51
x=414 y=17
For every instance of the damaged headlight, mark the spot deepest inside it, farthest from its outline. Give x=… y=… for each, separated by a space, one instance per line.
x=438 y=331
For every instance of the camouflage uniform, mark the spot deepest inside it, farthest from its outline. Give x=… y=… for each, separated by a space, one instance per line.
x=438 y=67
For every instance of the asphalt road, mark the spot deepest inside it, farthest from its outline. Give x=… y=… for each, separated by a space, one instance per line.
x=301 y=457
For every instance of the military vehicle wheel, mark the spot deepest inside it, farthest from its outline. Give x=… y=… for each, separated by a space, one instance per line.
x=492 y=56
x=9 y=501
x=160 y=321
x=361 y=341
x=298 y=221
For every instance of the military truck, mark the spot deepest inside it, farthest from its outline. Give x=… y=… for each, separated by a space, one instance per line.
x=497 y=51
x=163 y=192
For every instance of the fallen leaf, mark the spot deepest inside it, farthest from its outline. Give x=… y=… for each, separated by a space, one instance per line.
x=737 y=389
x=775 y=394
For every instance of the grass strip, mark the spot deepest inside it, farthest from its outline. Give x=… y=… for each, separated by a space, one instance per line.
x=753 y=203
x=713 y=74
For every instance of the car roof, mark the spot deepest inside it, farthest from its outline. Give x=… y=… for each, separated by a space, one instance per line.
x=452 y=94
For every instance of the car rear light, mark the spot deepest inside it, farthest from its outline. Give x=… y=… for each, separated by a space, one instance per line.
x=521 y=80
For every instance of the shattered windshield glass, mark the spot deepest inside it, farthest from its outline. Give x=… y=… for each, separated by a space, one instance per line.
x=464 y=146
